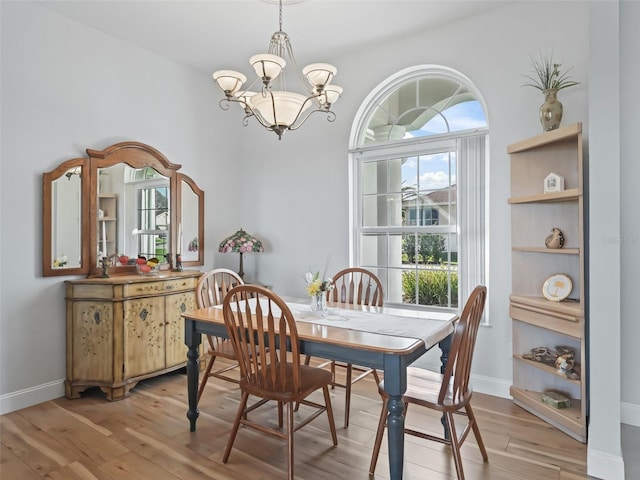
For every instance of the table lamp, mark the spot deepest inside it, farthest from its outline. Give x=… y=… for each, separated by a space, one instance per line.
x=241 y=242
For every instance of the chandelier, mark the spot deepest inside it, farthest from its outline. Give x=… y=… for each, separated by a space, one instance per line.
x=276 y=108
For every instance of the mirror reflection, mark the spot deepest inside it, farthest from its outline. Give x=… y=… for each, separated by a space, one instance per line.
x=133 y=214
x=188 y=241
x=66 y=221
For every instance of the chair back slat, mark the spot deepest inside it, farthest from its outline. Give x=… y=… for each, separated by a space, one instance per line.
x=259 y=320
x=461 y=354
x=356 y=286
x=214 y=285
x=211 y=289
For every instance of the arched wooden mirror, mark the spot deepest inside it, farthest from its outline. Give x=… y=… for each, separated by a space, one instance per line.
x=134 y=200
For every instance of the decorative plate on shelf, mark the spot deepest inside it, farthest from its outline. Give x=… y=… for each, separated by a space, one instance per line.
x=557 y=287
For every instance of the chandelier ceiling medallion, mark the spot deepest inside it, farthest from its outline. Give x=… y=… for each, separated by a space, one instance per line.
x=276 y=108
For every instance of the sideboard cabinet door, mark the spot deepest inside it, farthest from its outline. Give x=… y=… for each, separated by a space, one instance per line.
x=176 y=305
x=144 y=333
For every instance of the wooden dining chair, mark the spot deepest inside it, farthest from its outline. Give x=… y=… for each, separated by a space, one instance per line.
x=449 y=393
x=210 y=291
x=259 y=320
x=356 y=286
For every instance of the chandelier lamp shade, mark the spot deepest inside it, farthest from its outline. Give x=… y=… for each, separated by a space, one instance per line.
x=267 y=99
x=241 y=242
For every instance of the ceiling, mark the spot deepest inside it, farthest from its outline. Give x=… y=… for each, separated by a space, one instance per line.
x=211 y=34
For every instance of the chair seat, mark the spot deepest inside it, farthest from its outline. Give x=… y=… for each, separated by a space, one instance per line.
x=224 y=350
x=311 y=379
x=423 y=388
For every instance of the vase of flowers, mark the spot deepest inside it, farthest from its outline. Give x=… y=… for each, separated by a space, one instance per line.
x=317 y=289
x=549 y=79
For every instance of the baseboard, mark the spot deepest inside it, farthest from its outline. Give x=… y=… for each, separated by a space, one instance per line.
x=630 y=414
x=491 y=386
x=604 y=465
x=31 y=396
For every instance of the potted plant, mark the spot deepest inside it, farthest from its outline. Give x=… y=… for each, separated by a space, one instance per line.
x=549 y=78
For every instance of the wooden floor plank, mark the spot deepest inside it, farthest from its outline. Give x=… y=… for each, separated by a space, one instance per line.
x=146 y=437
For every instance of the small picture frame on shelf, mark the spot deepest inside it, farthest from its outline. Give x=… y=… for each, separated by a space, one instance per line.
x=553 y=183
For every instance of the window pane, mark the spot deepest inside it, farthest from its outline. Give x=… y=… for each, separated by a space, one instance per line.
x=466 y=116
x=374 y=177
x=373 y=250
x=432 y=249
x=394 y=204
x=374 y=211
x=437 y=124
x=152 y=245
x=153 y=220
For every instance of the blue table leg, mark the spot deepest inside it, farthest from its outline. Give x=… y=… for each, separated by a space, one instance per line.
x=445 y=347
x=395 y=384
x=192 y=340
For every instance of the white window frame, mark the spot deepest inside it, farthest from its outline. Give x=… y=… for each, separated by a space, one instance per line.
x=472 y=189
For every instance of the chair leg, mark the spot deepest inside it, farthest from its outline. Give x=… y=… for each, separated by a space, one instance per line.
x=476 y=432
x=236 y=425
x=333 y=374
x=332 y=423
x=347 y=395
x=455 y=445
x=280 y=418
x=307 y=360
x=289 y=439
x=376 y=445
x=206 y=376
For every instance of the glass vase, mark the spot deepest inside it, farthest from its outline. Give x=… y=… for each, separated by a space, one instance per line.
x=319 y=303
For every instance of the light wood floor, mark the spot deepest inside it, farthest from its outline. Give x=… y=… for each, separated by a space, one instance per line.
x=146 y=436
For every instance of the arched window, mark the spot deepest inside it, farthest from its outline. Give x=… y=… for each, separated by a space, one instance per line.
x=417 y=153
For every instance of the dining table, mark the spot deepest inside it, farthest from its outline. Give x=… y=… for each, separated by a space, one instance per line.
x=388 y=338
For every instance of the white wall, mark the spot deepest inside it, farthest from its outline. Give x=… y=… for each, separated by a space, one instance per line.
x=66 y=88
x=604 y=453
x=629 y=201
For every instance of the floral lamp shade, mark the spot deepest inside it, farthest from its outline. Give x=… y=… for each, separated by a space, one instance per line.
x=241 y=242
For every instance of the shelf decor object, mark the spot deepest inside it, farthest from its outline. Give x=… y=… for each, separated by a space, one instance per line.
x=555 y=239
x=547 y=77
x=557 y=287
x=547 y=308
x=553 y=183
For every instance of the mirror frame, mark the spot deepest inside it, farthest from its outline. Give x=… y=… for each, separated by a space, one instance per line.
x=47 y=218
x=182 y=178
x=136 y=155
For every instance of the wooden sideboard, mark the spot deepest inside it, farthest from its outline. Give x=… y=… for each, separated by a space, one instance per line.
x=123 y=329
